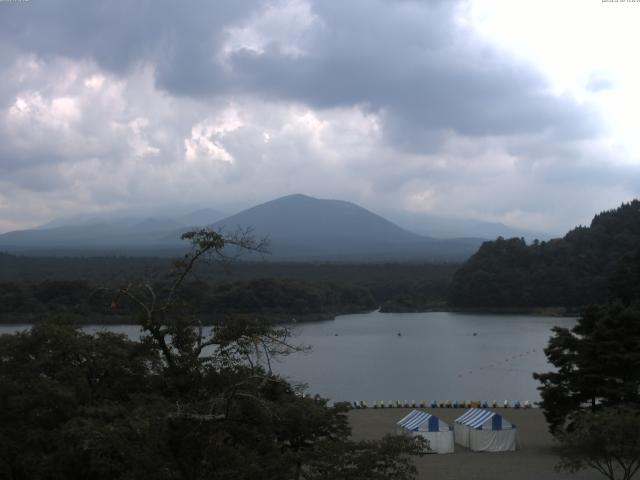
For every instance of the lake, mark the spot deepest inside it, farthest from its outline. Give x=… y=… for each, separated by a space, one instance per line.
x=415 y=356
x=437 y=356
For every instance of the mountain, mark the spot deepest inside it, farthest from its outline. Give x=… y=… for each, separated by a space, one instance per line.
x=178 y=218
x=106 y=234
x=445 y=227
x=201 y=217
x=303 y=227
x=300 y=228
x=566 y=272
x=306 y=218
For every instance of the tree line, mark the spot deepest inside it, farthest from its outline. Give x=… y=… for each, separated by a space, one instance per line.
x=570 y=272
x=280 y=290
x=269 y=297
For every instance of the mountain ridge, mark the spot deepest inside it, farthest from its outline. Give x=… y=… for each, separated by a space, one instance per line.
x=301 y=228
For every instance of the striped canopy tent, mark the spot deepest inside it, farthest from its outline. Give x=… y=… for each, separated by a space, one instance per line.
x=485 y=431
x=438 y=433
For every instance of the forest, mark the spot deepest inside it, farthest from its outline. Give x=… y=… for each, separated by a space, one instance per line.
x=569 y=272
x=33 y=287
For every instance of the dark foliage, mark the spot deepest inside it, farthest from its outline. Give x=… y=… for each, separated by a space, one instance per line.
x=598 y=360
x=592 y=399
x=597 y=363
x=570 y=272
x=288 y=296
x=179 y=404
x=607 y=440
x=625 y=283
x=282 y=290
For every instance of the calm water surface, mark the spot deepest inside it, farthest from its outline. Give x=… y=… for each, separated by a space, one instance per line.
x=436 y=356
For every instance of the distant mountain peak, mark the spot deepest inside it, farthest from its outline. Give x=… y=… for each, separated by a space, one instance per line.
x=308 y=217
x=300 y=227
x=295 y=196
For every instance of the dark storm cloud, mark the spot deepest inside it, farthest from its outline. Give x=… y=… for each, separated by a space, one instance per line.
x=419 y=67
x=411 y=61
x=118 y=33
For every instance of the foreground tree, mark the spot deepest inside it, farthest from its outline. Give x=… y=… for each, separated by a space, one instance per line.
x=597 y=364
x=180 y=404
x=592 y=400
x=607 y=440
x=79 y=406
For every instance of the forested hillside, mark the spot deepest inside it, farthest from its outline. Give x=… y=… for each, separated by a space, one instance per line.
x=569 y=272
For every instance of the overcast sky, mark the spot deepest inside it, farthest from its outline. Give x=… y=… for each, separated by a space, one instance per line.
x=524 y=112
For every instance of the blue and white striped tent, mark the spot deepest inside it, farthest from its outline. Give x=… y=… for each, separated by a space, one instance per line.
x=485 y=431
x=438 y=433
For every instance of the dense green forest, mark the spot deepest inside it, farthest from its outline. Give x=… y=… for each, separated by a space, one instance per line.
x=570 y=272
x=33 y=287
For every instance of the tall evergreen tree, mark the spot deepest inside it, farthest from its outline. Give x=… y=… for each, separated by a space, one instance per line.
x=597 y=363
x=598 y=360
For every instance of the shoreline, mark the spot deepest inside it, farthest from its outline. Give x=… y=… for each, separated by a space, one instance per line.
x=537 y=311
x=275 y=318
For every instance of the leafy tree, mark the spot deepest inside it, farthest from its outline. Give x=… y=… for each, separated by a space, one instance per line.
x=69 y=399
x=369 y=460
x=607 y=440
x=180 y=404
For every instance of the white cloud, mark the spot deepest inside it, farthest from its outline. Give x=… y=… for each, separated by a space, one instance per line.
x=95 y=82
x=282 y=24
x=575 y=43
x=205 y=141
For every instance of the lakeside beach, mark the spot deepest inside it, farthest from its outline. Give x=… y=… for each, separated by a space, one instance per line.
x=534 y=460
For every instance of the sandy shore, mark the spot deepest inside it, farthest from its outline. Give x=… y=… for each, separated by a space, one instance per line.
x=534 y=461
